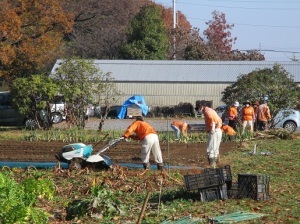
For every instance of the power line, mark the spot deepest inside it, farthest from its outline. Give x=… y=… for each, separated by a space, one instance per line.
x=245 y=24
x=269 y=50
x=233 y=7
x=293 y=52
x=263 y=2
x=241 y=24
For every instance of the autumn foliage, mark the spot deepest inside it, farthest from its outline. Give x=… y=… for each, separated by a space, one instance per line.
x=31 y=33
x=34 y=33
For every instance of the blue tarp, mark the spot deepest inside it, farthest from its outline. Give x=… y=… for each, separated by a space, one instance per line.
x=137 y=100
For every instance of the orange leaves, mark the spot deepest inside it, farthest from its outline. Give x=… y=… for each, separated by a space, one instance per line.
x=31 y=31
x=10 y=26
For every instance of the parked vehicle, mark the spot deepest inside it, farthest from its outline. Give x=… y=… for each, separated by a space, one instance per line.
x=8 y=115
x=288 y=119
x=58 y=110
x=221 y=111
x=38 y=118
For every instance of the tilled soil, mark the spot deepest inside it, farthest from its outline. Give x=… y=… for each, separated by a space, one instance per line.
x=177 y=154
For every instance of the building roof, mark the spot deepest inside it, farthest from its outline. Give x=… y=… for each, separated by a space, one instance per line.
x=186 y=71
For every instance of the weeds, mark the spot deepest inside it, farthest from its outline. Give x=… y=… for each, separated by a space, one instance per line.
x=109 y=197
x=127 y=190
x=80 y=135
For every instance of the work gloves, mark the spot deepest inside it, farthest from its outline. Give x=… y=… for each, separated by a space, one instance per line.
x=213 y=128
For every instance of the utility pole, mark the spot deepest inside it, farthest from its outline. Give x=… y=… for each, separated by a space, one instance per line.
x=174 y=29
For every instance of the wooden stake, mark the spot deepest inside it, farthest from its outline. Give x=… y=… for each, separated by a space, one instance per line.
x=143 y=208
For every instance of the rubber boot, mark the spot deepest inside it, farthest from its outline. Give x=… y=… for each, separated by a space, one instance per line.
x=146 y=166
x=160 y=166
x=212 y=162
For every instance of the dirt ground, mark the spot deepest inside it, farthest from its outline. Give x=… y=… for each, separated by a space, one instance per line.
x=176 y=154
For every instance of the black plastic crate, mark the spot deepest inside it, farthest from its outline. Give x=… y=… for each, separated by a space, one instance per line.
x=233 y=191
x=210 y=178
x=198 y=181
x=255 y=186
x=224 y=173
x=213 y=193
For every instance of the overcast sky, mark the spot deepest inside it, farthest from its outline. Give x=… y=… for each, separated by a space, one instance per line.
x=272 y=26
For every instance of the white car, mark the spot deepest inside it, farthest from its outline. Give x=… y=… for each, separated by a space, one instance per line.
x=57 y=108
x=288 y=119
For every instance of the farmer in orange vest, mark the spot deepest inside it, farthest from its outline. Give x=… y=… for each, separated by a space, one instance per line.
x=263 y=115
x=233 y=115
x=146 y=133
x=213 y=125
x=180 y=127
x=248 y=116
x=228 y=131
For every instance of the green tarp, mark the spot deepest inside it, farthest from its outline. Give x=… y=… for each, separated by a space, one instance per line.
x=235 y=217
x=184 y=220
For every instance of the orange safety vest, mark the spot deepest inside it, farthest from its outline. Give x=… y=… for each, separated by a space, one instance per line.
x=263 y=113
x=211 y=116
x=248 y=114
x=141 y=129
x=228 y=130
x=181 y=125
x=232 y=113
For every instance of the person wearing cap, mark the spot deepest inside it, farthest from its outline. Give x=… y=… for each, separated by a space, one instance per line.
x=248 y=116
x=180 y=127
x=233 y=115
x=143 y=131
x=213 y=125
x=255 y=106
x=263 y=115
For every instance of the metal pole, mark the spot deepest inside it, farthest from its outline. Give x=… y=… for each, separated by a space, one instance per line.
x=174 y=29
x=168 y=136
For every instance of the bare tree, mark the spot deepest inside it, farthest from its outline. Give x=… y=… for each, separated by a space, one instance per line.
x=100 y=26
x=106 y=95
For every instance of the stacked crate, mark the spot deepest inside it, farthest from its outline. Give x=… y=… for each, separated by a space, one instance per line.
x=212 y=184
x=255 y=186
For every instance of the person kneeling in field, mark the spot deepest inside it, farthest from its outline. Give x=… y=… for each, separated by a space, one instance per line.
x=229 y=131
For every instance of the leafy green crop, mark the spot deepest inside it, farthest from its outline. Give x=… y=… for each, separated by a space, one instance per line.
x=17 y=201
x=105 y=203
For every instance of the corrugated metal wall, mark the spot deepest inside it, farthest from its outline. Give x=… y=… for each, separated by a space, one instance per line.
x=170 y=94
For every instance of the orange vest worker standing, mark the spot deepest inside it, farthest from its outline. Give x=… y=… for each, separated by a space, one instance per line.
x=263 y=115
x=248 y=116
x=213 y=125
x=233 y=115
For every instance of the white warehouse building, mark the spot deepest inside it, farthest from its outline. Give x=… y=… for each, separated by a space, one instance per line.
x=170 y=82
